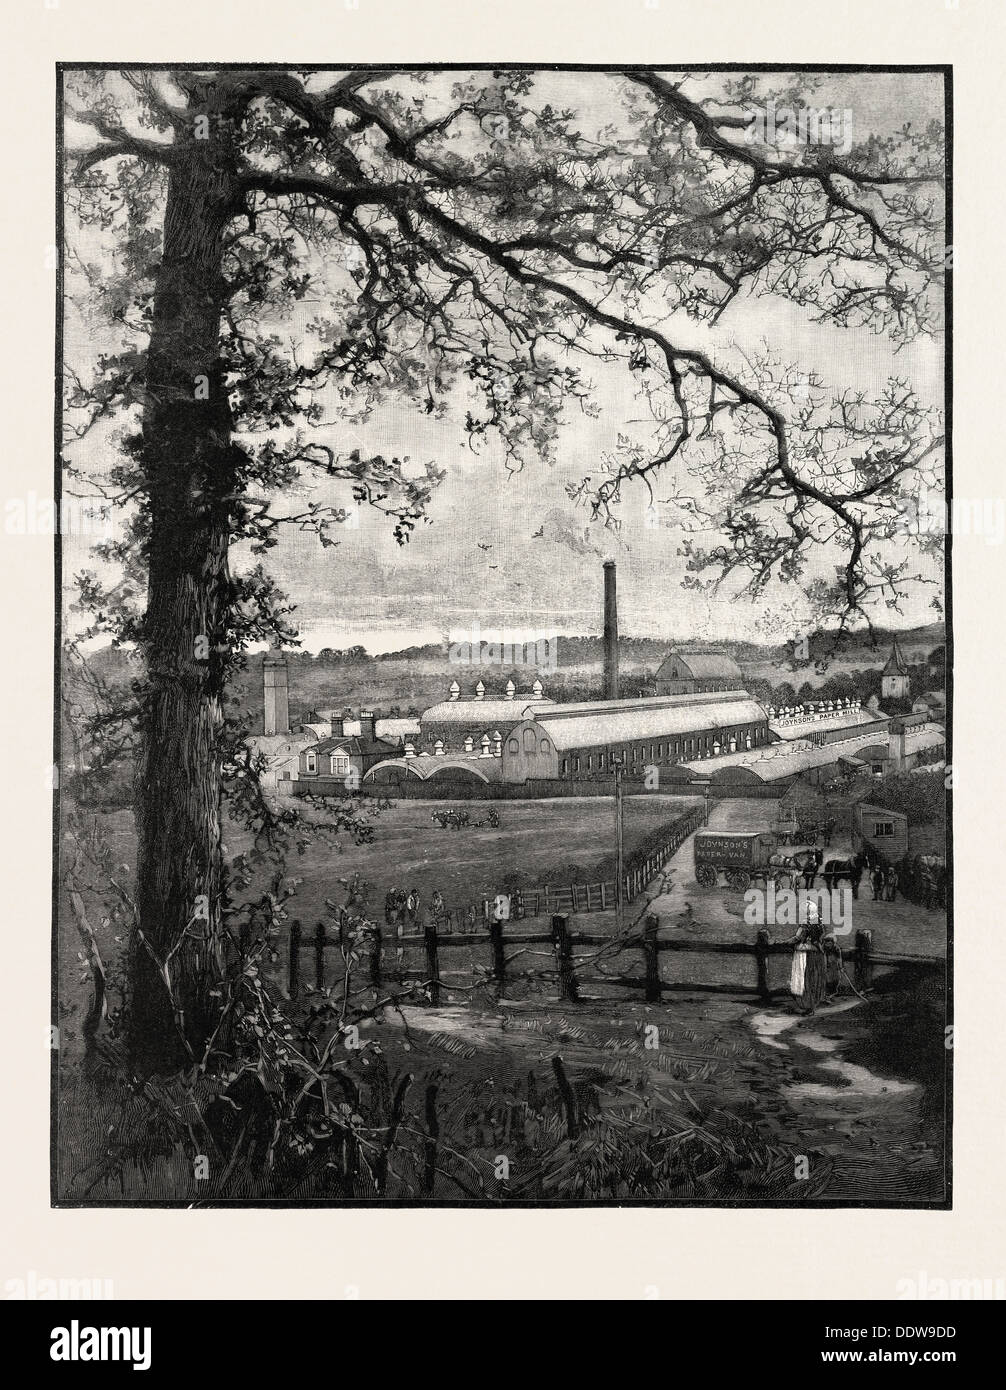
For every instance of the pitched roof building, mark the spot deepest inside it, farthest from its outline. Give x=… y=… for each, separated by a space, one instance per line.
x=688 y=671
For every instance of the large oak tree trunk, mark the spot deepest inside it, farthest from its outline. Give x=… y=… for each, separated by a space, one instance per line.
x=176 y=957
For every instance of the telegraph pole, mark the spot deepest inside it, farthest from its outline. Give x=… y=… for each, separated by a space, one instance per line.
x=619 y=851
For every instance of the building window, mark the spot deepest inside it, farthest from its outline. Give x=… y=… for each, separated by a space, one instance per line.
x=340 y=764
x=576 y=764
x=529 y=740
x=512 y=746
x=565 y=767
x=883 y=829
x=311 y=762
x=544 y=746
x=590 y=762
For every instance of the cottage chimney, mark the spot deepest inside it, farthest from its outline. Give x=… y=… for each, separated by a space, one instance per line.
x=469 y=744
x=537 y=690
x=480 y=691
x=486 y=750
x=276 y=692
x=497 y=738
x=454 y=691
x=338 y=725
x=511 y=690
x=368 y=725
x=610 y=632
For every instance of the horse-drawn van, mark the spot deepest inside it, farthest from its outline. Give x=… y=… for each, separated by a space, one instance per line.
x=741 y=855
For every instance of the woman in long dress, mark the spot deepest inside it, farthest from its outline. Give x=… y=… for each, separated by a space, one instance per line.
x=808 y=975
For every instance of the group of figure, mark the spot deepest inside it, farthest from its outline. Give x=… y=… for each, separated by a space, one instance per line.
x=457 y=820
x=404 y=910
x=924 y=880
x=884 y=882
x=817 y=969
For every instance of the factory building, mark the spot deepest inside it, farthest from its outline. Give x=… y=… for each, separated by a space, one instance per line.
x=458 y=725
x=581 y=741
x=689 y=671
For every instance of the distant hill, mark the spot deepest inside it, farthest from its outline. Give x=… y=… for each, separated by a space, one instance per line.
x=409 y=680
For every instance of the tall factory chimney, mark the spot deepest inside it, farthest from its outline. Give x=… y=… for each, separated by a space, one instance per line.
x=610 y=633
x=276 y=693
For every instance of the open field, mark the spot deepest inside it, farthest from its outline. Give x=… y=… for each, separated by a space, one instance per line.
x=553 y=842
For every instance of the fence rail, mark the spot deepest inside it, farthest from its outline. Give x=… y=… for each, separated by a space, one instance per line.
x=561 y=940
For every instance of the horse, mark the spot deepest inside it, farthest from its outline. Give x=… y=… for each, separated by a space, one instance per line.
x=782 y=866
x=793 y=866
x=808 y=861
x=837 y=869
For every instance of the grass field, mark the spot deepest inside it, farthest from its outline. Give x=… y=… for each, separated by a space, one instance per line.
x=554 y=842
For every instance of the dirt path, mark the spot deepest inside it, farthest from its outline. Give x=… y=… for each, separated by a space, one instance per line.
x=898 y=928
x=817 y=1086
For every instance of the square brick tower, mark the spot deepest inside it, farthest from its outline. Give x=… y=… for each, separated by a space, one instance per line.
x=275 y=681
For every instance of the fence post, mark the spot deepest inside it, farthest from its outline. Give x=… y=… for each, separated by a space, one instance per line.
x=563 y=947
x=761 y=959
x=294 y=981
x=863 y=969
x=568 y=1098
x=498 y=958
x=319 y=956
x=650 y=928
x=432 y=960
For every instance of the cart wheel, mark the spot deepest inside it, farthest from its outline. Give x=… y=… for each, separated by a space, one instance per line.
x=705 y=874
x=739 y=879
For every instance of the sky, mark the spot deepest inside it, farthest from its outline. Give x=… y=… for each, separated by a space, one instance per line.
x=481 y=560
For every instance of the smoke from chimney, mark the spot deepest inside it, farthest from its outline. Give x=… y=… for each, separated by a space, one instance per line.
x=610 y=632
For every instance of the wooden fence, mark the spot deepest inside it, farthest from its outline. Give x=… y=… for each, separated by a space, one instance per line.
x=640 y=869
x=570 y=975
